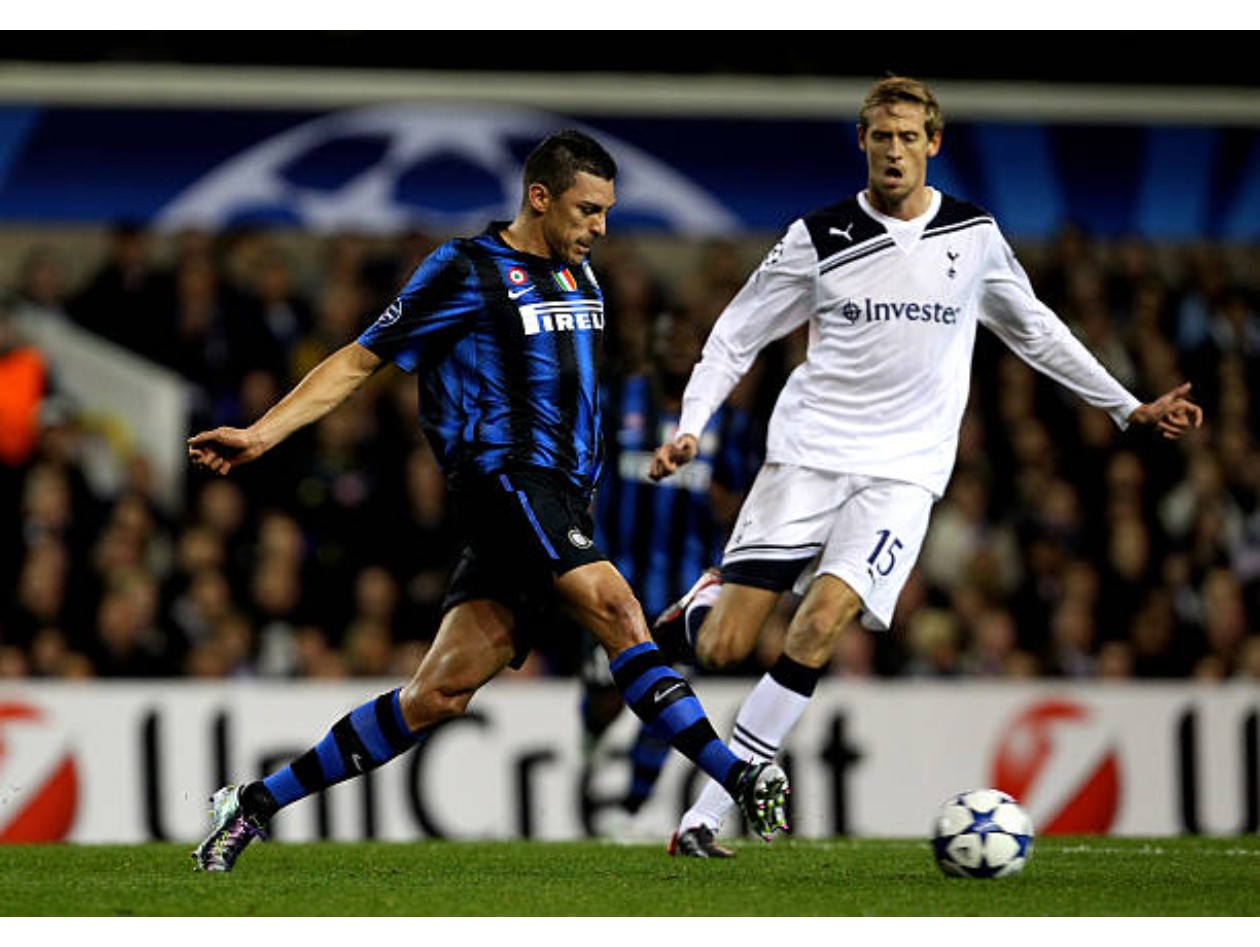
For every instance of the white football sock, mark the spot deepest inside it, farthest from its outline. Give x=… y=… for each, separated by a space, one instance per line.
x=765 y=718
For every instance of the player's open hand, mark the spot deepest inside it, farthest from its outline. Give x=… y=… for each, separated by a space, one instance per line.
x=671 y=455
x=1171 y=413
x=224 y=448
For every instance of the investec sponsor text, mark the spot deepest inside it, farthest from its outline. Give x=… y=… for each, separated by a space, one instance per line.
x=871 y=310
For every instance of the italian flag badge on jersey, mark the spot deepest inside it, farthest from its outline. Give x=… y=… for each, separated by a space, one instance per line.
x=564 y=279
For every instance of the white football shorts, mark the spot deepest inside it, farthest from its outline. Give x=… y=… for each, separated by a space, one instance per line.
x=866 y=531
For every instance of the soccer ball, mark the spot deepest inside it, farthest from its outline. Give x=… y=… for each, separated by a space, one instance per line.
x=983 y=833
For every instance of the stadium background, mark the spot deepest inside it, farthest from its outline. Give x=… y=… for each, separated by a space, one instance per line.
x=144 y=273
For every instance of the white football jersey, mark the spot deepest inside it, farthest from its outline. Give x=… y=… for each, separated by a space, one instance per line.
x=892 y=308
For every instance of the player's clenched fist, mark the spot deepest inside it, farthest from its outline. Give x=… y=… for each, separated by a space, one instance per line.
x=671 y=455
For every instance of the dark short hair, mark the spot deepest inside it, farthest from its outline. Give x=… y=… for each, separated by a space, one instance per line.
x=558 y=158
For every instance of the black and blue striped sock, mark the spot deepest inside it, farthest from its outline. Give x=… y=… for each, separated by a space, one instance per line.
x=648 y=756
x=662 y=699
x=370 y=735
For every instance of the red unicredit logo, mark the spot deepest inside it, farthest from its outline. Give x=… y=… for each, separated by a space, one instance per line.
x=39 y=784
x=1062 y=766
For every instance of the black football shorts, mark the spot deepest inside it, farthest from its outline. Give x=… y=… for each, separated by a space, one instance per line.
x=520 y=530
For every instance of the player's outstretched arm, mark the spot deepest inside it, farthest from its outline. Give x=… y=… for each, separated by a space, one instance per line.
x=326 y=386
x=1172 y=413
x=671 y=455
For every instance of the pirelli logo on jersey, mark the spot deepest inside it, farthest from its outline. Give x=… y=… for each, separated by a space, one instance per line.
x=873 y=310
x=568 y=316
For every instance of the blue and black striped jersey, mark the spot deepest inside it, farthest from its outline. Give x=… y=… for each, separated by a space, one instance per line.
x=662 y=534
x=507 y=349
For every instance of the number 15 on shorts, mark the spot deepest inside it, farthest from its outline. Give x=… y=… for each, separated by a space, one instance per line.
x=883 y=558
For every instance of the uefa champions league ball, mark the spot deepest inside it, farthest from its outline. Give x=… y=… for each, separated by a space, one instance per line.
x=983 y=833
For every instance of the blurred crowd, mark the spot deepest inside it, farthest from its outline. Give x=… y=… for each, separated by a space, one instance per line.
x=1063 y=548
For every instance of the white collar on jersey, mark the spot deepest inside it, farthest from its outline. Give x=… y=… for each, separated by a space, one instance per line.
x=904 y=232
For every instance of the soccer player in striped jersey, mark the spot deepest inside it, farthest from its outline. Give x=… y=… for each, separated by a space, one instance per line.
x=892 y=283
x=504 y=332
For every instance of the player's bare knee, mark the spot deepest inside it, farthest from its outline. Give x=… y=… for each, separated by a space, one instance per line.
x=715 y=655
x=720 y=646
x=812 y=637
x=619 y=619
x=424 y=706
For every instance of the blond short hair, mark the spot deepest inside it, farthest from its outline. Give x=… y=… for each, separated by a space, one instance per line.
x=896 y=89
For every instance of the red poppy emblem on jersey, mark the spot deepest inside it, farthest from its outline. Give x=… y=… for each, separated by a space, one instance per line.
x=516 y=276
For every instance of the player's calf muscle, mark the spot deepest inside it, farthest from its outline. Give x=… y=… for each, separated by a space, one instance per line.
x=731 y=629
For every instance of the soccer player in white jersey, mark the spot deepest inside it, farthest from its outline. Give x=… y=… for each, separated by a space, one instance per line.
x=892 y=283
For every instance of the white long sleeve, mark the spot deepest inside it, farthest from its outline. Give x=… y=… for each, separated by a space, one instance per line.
x=776 y=299
x=1011 y=310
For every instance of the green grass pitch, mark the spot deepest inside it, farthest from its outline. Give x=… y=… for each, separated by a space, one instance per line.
x=1088 y=876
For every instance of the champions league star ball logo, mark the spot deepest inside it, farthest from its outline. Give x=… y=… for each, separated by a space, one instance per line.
x=386 y=169
x=39 y=782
